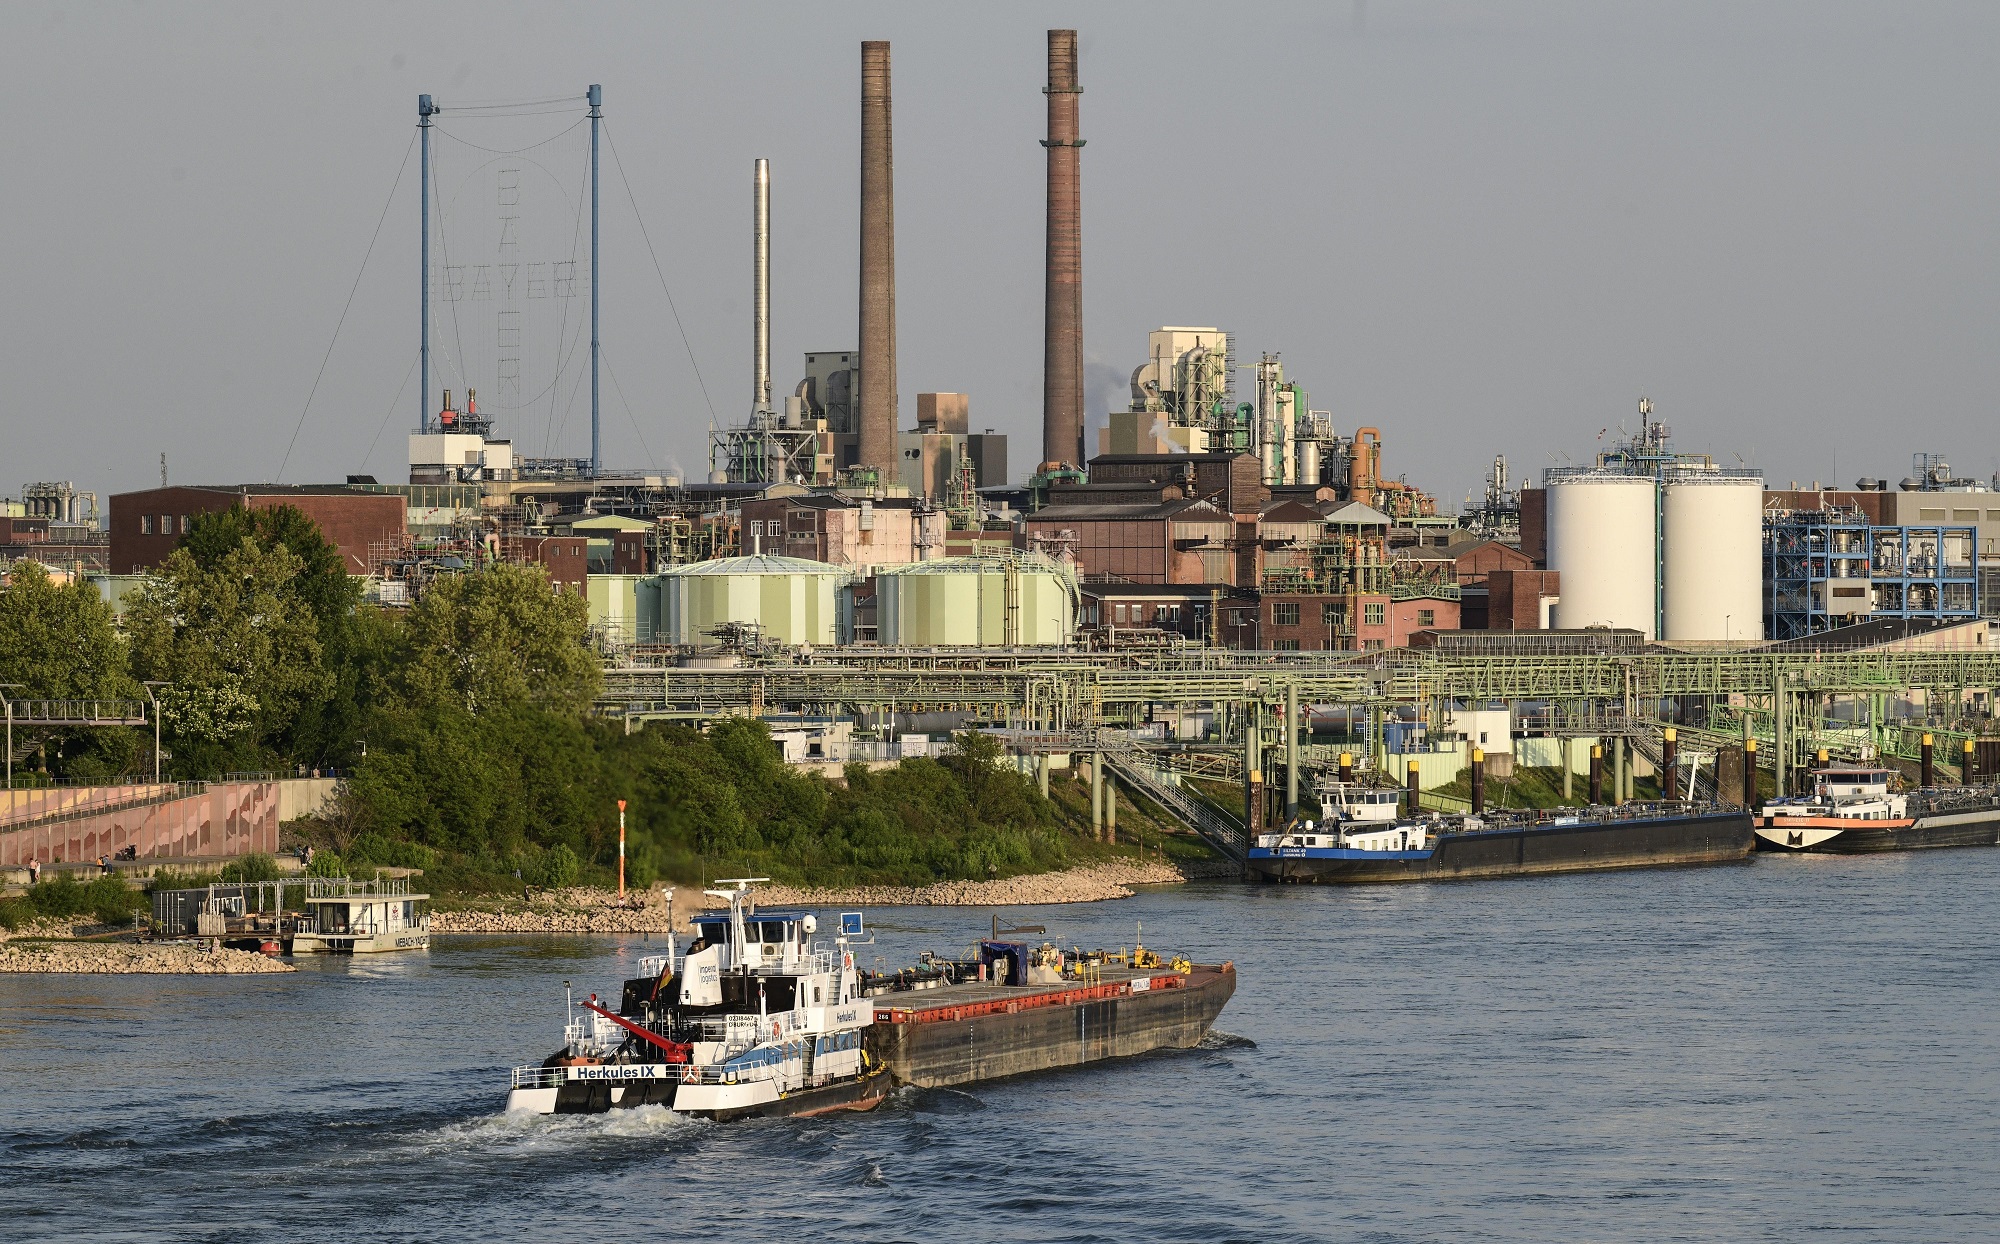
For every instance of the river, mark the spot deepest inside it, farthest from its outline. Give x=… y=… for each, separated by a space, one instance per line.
x=1794 y=1048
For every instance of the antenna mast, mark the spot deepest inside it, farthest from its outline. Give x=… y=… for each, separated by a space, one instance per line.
x=425 y=111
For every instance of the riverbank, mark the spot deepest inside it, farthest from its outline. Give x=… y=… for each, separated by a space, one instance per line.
x=587 y=910
x=130 y=958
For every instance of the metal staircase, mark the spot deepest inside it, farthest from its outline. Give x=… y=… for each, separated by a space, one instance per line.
x=1132 y=763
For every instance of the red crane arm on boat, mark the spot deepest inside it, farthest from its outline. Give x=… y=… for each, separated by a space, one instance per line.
x=676 y=1051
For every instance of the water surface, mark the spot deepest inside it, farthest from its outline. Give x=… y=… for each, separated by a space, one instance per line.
x=1792 y=1049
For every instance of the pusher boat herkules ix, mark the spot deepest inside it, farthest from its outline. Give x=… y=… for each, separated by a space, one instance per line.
x=757 y=1019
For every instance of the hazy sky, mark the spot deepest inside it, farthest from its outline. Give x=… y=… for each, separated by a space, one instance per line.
x=1482 y=228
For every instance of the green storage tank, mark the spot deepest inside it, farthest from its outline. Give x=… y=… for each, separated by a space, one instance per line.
x=1020 y=601
x=790 y=598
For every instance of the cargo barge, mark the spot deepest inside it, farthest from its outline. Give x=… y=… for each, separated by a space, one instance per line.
x=1854 y=811
x=1037 y=1010
x=1363 y=841
x=757 y=1019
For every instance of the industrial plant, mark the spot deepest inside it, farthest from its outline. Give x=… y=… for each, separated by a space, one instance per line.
x=1228 y=573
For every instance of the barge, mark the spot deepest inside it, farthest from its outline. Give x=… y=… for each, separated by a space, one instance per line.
x=1032 y=1009
x=1853 y=810
x=1361 y=839
x=757 y=1019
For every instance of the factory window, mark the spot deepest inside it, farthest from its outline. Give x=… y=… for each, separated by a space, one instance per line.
x=1284 y=645
x=1373 y=613
x=145 y=524
x=1929 y=515
x=184 y=524
x=1118 y=612
x=1285 y=615
x=1329 y=613
x=1427 y=617
x=1371 y=645
x=1965 y=516
x=1993 y=516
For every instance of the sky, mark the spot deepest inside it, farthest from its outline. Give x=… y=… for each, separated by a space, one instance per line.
x=1482 y=228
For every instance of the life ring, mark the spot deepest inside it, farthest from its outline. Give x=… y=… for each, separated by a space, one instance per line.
x=777 y=1030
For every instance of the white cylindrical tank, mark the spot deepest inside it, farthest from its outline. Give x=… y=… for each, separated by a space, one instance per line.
x=1601 y=541
x=790 y=599
x=1714 y=575
x=1025 y=601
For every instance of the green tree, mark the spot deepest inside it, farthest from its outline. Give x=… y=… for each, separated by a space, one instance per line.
x=498 y=638
x=60 y=641
x=323 y=730
x=239 y=649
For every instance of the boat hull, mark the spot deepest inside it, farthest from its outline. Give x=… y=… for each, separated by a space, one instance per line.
x=722 y=1102
x=1976 y=828
x=1530 y=850
x=976 y=1047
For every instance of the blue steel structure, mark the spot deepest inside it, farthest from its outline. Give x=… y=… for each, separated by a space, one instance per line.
x=1825 y=569
x=596 y=120
x=425 y=111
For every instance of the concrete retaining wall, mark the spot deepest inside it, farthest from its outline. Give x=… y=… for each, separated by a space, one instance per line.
x=229 y=818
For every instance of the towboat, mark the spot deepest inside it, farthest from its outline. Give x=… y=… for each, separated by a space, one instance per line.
x=1361 y=838
x=757 y=1018
x=1857 y=810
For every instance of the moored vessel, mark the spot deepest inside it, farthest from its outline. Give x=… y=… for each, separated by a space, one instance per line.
x=1854 y=810
x=1360 y=839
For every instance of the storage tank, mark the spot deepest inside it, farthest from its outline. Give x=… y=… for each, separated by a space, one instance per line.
x=1714 y=576
x=1015 y=601
x=790 y=598
x=1601 y=540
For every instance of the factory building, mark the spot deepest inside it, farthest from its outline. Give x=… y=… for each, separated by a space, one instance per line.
x=147 y=525
x=857 y=534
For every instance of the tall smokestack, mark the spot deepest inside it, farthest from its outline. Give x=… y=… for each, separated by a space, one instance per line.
x=760 y=294
x=878 y=266
x=1062 y=349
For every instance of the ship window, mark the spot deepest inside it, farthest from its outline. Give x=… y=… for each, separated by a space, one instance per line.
x=815 y=995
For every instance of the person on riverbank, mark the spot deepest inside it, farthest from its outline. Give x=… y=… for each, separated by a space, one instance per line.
x=34 y=872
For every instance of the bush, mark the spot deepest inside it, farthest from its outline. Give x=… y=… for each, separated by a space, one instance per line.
x=111 y=900
x=255 y=866
x=326 y=864
x=15 y=912
x=558 y=867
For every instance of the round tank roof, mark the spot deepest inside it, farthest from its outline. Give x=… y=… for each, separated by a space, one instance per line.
x=1030 y=563
x=757 y=563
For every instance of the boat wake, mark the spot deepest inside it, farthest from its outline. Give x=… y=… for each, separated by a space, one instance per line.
x=1215 y=1039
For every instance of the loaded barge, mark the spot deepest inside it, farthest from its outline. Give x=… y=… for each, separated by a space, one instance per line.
x=1853 y=811
x=757 y=1019
x=1362 y=839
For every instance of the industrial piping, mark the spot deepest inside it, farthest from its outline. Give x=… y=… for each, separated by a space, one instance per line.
x=1062 y=356
x=877 y=397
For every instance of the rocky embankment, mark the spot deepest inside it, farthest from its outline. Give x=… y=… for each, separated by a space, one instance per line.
x=585 y=910
x=131 y=958
x=578 y=910
x=1077 y=885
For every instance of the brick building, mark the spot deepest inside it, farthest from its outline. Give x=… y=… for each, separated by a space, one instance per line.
x=1179 y=541
x=566 y=558
x=147 y=525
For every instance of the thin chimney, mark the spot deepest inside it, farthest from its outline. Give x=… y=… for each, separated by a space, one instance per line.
x=878 y=266
x=760 y=294
x=1062 y=351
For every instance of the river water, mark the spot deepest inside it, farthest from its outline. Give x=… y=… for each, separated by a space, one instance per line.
x=1788 y=1049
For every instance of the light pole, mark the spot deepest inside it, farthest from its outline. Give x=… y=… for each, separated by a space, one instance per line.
x=14 y=686
x=156 y=725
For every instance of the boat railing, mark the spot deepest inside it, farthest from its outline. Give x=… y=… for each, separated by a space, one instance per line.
x=1930 y=802
x=348 y=887
x=535 y=1077
x=654 y=966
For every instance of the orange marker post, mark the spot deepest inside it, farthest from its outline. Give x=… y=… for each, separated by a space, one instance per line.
x=621 y=848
